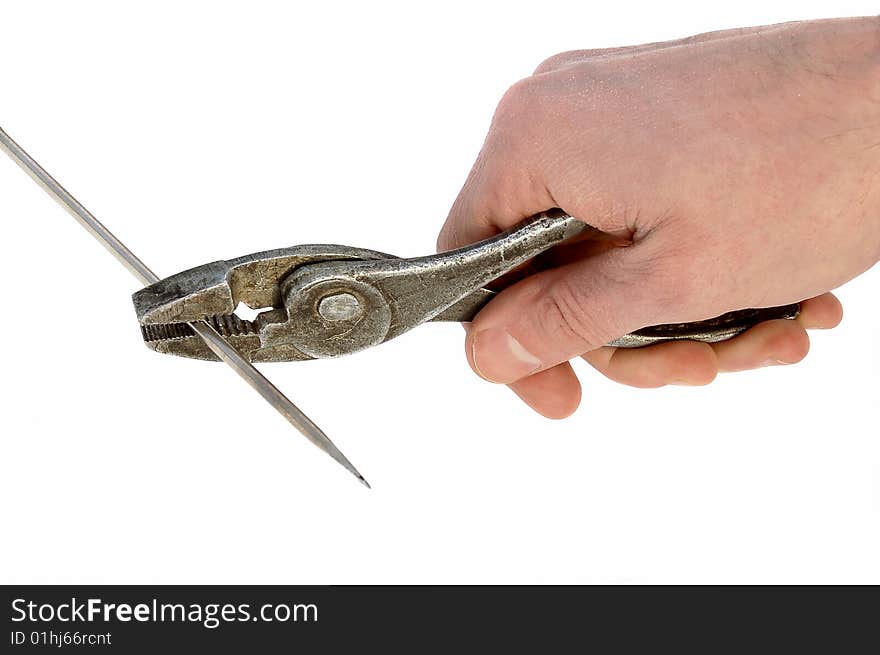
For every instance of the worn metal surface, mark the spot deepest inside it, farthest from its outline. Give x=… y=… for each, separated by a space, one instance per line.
x=325 y=301
x=392 y=295
x=713 y=330
x=213 y=291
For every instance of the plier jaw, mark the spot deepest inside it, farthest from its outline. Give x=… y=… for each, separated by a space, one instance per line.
x=213 y=291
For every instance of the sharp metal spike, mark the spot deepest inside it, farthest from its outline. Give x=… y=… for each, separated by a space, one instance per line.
x=212 y=338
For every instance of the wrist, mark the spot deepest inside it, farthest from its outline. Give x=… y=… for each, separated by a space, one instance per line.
x=846 y=52
x=842 y=59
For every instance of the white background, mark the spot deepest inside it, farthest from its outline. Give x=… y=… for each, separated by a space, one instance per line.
x=202 y=131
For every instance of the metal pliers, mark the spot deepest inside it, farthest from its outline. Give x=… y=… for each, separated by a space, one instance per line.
x=326 y=300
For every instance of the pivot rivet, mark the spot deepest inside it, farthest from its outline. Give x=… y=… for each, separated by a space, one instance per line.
x=339 y=307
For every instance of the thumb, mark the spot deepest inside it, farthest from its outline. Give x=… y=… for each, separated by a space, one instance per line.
x=559 y=314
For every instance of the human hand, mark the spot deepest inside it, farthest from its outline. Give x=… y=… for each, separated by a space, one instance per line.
x=729 y=170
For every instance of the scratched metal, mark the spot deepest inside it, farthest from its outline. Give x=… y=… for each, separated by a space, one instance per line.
x=325 y=301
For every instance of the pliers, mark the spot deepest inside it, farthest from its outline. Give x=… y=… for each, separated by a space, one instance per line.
x=321 y=301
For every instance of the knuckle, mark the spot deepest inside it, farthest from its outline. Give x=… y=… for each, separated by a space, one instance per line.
x=561 y=60
x=565 y=319
x=520 y=103
x=523 y=120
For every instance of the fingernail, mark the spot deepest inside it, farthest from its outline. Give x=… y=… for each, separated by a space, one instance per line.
x=774 y=362
x=683 y=383
x=498 y=357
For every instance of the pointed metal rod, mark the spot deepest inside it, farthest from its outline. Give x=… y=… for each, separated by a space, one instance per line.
x=212 y=338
